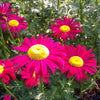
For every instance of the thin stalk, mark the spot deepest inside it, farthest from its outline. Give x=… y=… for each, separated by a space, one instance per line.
x=58 y=3
x=18 y=37
x=17 y=34
x=8 y=90
x=10 y=32
x=81 y=12
x=42 y=86
x=3 y=42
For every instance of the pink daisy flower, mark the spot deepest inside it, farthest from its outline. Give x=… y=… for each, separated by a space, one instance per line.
x=5 y=9
x=15 y=23
x=31 y=77
x=7 y=98
x=65 y=28
x=7 y=68
x=40 y=53
x=78 y=62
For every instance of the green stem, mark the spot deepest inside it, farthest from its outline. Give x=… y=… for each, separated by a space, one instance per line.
x=8 y=90
x=17 y=34
x=18 y=37
x=42 y=86
x=58 y=4
x=10 y=32
x=81 y=12
x=3 y=42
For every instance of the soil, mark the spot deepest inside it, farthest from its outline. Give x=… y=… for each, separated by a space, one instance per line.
x=92 y=94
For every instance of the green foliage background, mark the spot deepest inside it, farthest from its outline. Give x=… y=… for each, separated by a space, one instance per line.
x=39 y=16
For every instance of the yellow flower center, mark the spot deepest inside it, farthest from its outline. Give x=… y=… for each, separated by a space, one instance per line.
x=76 y=61
x=1 y=69
x=65 y=28
x=34 y=75
x=38 y=52
x=13 y=23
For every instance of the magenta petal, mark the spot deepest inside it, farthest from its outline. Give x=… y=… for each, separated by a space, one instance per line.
x=39 y=38
x=85 y=76
x=22 y=63
x=64 y=70
x=28 y=42
x=44 y=67
x=34 y=41
x=51 y=66
x=57 y=59
x=30 y=65
x=19 y=58
x=77 y=76
x=37 y=66
x=86 y=69
x=22 y=48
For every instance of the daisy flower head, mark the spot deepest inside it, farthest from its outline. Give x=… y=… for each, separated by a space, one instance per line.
x=6 y=69
x=7 y=97
x=5 y=9
x=40 y=53
x=15 y=23
x=78 y=62
x=31 y=78
x=65 y=28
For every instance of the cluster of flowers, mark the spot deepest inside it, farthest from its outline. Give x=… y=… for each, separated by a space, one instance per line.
x=43 y=54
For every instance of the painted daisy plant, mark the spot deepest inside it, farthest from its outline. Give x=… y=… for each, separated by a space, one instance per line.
x=15 y=24
x=78 y=62
x=6 y=69
x=65 y=28
x=40 y=53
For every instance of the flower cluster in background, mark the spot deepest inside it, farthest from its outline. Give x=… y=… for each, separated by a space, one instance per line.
x=39 y=57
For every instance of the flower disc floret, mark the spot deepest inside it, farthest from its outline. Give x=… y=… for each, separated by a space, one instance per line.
x=76 y=61
x=13 y=23
x=38 y=52
x=34 y=75
x=1 y=69
x=65 y=28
